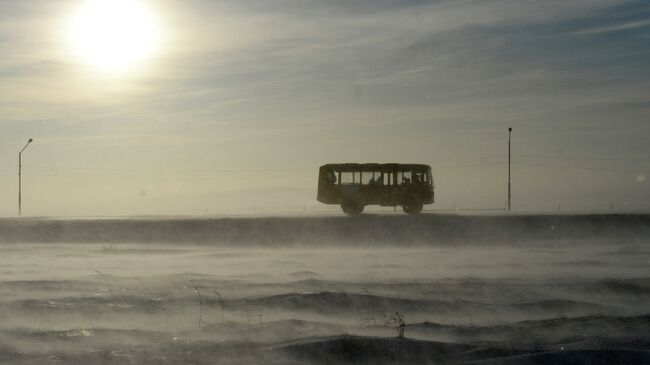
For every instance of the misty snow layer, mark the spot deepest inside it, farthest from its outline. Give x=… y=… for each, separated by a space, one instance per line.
x=548 y=301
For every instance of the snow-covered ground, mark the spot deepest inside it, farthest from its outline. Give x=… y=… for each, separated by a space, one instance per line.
x=557 y=301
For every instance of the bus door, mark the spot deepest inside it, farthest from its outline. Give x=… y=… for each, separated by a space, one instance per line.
x=350 y=182
x=387 y=188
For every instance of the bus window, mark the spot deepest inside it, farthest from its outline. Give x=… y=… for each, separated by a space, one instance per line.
x=420 y=177
x=367 y=179
x=351 y=177
x=379 y=179
x=371 y=178
x=347 y=178
x=404 y=177
x=388 y=178
x=331 y=177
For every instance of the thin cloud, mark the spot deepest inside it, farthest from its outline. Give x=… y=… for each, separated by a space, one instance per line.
x=615 y=27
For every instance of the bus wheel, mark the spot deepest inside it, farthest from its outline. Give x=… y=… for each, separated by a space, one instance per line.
x=412 y=207
x=352 y=208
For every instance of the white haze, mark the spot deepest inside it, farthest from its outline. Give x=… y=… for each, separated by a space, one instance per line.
x=139 y=302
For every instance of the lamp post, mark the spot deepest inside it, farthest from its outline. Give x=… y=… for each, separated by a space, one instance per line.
x=20 y=181
x=509 y=186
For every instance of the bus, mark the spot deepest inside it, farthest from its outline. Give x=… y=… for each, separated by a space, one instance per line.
x=355 y=185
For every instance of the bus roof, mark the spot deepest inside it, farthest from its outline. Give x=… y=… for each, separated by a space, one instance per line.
x=373 y=166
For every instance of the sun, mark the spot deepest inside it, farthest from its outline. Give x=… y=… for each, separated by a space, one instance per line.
x=114 y=36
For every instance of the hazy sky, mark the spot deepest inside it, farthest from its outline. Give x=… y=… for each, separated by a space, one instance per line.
x=241 y=101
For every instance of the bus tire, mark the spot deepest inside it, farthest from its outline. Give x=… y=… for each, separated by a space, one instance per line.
x=412 y=206
x=352 y=207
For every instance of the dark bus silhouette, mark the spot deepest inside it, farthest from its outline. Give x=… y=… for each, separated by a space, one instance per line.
x=355 y=185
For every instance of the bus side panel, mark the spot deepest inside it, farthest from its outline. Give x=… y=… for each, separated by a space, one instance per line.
x=394 y=192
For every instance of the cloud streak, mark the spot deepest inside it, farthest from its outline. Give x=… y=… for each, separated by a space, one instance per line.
x=615 y=27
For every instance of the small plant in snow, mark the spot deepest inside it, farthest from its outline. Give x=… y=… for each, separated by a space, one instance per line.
x=396 y=321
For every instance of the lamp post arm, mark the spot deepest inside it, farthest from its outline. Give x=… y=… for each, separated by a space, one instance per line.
x=21 y=151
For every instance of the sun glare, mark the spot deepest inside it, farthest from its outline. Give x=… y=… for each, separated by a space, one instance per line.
x=114 y=35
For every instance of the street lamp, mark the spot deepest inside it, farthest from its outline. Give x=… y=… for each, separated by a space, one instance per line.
x=20 y=168
x=509 y=189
